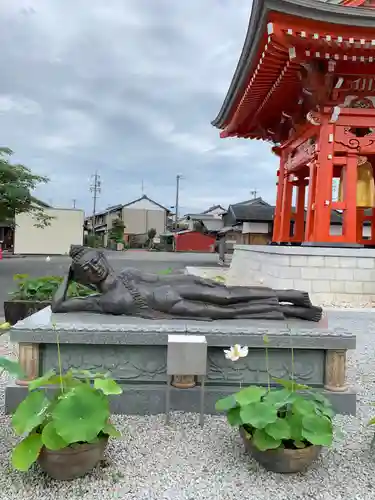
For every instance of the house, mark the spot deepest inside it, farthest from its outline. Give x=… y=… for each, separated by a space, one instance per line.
x=143 y=214
x=210 y=219
x=215 y=210
x=7 y=228
x=248 y=222
x=138 y=216
x=101 y=223
x=65 y=229
x=251 y=223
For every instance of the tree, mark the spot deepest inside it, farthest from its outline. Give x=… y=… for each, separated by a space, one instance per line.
x=16 y=184
x=116 y=233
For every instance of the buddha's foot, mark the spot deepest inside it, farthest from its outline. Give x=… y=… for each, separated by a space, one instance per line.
x=295 y=297
x=312 y=313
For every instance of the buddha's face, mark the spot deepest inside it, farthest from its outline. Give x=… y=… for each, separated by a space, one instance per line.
x=89 y=265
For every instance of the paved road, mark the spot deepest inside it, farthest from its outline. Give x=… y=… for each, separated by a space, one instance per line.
x=147 y=261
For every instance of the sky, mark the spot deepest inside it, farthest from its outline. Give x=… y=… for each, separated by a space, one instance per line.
x=127 y=88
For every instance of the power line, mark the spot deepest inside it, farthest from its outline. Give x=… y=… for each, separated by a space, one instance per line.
x=95 y=189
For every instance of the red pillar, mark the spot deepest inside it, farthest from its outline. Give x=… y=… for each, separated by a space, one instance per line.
x=323 y=196
x=299 y=219
x=286 y=211
x=310 y=215
x=279 y=202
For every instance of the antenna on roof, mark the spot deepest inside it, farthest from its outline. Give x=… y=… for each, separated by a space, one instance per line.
x=253 y=193
x=142 y=188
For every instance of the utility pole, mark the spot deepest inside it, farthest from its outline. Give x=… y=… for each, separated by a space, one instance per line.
x=254 y=193
x=178 y=177
x=74 y=202
x=95 y=189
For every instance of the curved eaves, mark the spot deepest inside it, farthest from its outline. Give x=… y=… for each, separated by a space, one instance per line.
x=310 y=9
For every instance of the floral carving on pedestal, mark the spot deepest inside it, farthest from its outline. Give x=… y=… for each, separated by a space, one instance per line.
x=308 y=367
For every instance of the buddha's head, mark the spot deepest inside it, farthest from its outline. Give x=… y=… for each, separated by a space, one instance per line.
x=89 y=265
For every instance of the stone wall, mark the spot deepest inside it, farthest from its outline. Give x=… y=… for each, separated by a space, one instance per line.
x=330 y=275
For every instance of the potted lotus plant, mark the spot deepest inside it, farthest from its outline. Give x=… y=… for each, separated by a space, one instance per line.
x=33 y=294
x=284 y=425
x=66 y=431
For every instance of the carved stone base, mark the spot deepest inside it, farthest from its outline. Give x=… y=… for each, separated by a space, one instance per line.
x=134 y=351
x=183 y=381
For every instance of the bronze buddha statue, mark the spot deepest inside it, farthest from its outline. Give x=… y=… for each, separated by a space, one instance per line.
x=135 y=293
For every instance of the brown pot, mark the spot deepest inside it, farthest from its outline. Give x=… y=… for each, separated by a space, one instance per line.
x=184 y=381
x=282 y=460
x=16 y=310
x=72 y=462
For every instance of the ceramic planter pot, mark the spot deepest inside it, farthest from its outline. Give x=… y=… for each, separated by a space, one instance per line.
x=72 y=462
x=16 y=310
x=282 y=460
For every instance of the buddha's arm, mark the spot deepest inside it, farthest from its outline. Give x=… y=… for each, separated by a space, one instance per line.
x=61 y=304
x=79 y=304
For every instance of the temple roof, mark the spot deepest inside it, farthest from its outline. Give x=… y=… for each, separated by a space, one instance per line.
x=304 y=11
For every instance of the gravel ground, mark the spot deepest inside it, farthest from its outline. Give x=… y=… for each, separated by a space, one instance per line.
x=183 y=462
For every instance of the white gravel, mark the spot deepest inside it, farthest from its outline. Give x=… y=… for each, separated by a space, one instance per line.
x=183 y=462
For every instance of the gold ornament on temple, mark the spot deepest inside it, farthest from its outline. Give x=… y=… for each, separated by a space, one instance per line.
x=365 y=184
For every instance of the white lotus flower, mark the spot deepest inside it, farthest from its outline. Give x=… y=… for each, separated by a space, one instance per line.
x=236 y=352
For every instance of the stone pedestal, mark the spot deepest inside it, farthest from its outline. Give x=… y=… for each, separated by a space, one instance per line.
x=135 y=352
x=329 y=275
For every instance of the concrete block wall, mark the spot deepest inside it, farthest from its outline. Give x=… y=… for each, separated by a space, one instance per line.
x=331 y=275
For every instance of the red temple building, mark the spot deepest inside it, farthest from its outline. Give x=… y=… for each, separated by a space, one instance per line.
x=305 y=82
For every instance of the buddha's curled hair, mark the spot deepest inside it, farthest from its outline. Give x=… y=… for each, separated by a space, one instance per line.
x=76 y=252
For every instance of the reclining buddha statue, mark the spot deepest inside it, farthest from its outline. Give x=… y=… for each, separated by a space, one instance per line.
x=135 y=293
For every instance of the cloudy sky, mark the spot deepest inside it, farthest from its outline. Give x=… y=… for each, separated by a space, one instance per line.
x=127 y=88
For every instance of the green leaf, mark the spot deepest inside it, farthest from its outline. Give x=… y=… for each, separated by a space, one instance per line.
x=250 y=395
x=258 y=415
x=372 y=421
x=30 y=412
x=107 y=386
x=51 y=439
x=12 y=367
x=111 y=431
x=290 y=384
x=225 y=404
x=320 y=398
x=279 y=397
x=26 y=452
x=41 y=381
x=295 y=425
x=317 y=430
x=264 y=441
x=279 y=429
x=234 y=417
x=304 y=406
x=299 y=444
x=81 y=414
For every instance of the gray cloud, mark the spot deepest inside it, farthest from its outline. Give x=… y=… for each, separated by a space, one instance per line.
x=128 y=88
